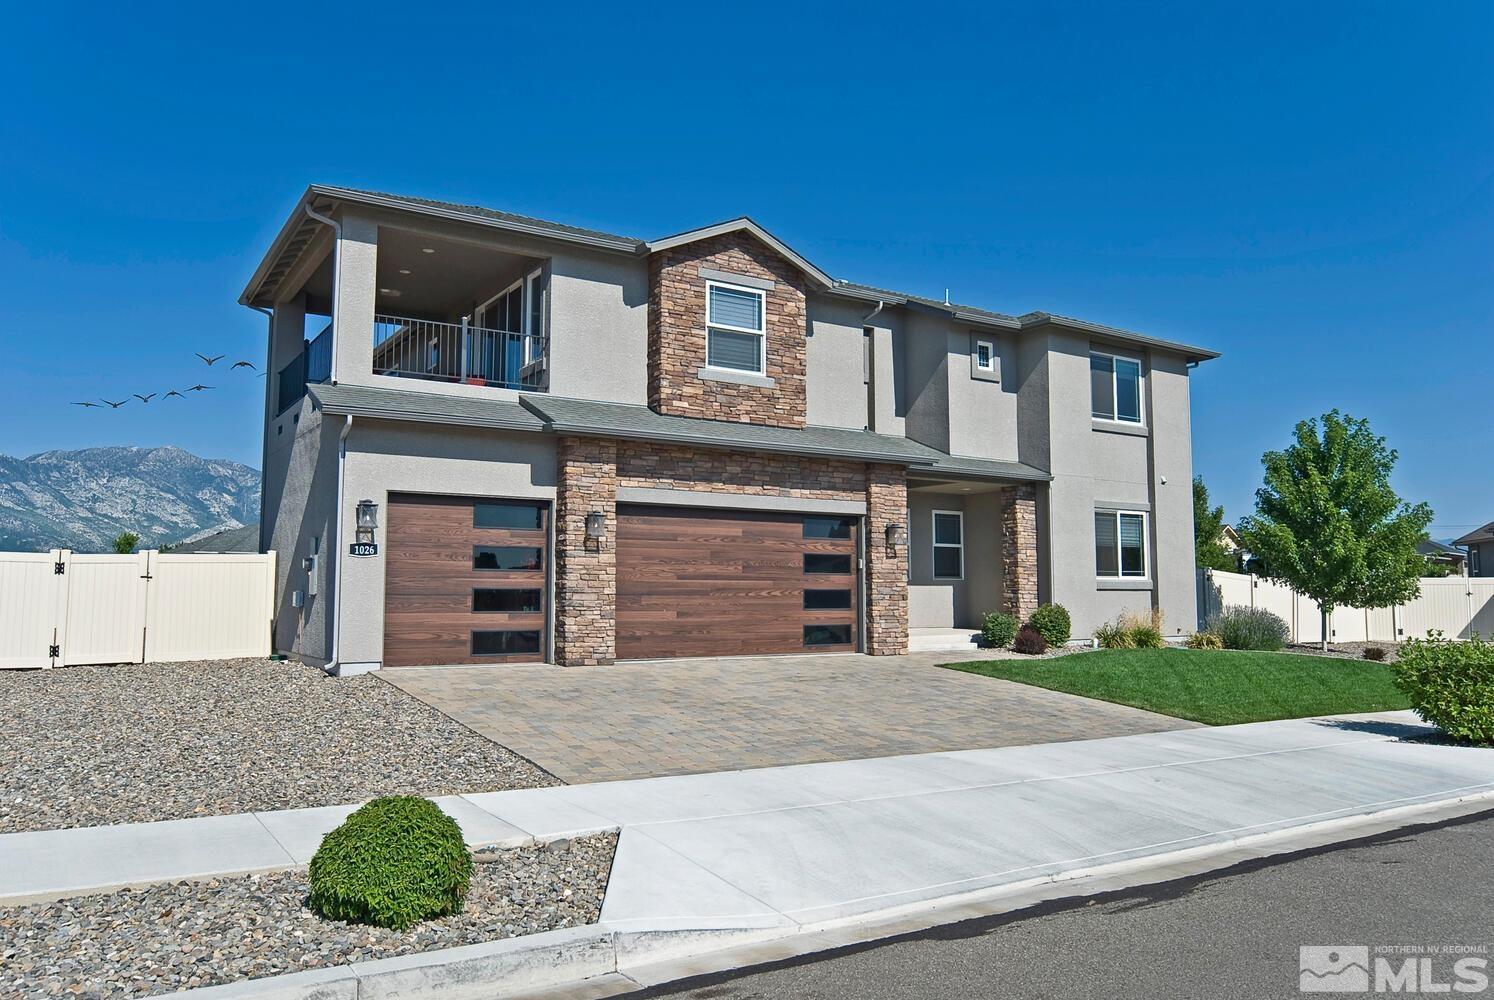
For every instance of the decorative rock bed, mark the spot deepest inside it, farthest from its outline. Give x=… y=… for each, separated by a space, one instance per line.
x=86 y=746
x=178 y=936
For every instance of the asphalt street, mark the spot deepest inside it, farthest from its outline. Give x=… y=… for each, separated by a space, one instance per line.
x=1236 y=933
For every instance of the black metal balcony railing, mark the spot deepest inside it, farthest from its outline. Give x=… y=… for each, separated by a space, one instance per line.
x=458 y=353
x=313 y=364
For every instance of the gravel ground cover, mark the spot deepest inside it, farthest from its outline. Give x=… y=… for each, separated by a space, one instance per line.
x=86 y=746
x=1346 y=650
x=165 y=938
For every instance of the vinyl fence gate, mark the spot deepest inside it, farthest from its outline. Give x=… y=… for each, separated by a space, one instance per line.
x=63 y=608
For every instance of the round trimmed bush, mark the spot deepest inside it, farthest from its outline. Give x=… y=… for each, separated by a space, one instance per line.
x=393 y=863
x=1450 y=684
x=999 y=629
x=1052 y=620
x=1030 y=641
x=1241 y=627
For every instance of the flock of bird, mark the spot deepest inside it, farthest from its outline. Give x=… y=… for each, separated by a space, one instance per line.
x=173 y=392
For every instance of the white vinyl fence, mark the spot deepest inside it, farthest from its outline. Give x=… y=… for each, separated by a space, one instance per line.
x=1458 y=606
x=62 y=608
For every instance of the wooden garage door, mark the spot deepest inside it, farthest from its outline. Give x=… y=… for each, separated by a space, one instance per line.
x=721 y=583
x=464 y=581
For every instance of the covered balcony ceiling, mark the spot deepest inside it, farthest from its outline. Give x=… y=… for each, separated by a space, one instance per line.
x=961 y=487
x=434 y=278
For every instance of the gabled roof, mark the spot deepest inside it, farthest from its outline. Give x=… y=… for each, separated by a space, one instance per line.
x=1477 y=535
x=299 y=230
x=1428 y=547
x=743 y=224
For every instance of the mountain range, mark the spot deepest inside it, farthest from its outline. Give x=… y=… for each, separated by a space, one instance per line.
x=82 y=499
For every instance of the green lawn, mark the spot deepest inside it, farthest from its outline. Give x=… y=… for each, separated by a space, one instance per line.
x=1217 y=687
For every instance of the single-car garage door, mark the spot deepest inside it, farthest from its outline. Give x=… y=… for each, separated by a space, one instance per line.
x=464 y=580
x=705 y=582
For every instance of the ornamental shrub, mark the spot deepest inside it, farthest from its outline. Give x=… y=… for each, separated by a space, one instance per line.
x=1052 y=620
x=1114 y=635
x=1376 y=653
x=1030 y=641
x=1450 y=684
x=1205 y=640
x=1241 y=627
x=999 y=630
x=396 y=861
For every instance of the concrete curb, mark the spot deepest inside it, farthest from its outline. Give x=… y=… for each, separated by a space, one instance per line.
x=599 y=961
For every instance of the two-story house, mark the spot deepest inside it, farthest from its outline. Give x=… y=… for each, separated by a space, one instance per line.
x=493 y=438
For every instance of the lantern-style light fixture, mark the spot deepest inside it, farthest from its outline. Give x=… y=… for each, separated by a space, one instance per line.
x=596 y=526
x=897 y=534
x=367 y=520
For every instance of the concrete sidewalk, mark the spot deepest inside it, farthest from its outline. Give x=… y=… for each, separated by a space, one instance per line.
x=812 y=844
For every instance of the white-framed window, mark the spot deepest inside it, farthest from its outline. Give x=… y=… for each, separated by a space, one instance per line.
x=1473 y=552
x=736 y=332
x=949 y=545
x=985 y=355
x=1115 y=387
x=1120 y=545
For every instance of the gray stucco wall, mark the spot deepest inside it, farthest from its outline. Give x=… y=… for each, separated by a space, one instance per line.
x=837 y=363
x=300 y=490
x=599 y=327
x=954 y=603
x=1095 y=467
x=387 y=457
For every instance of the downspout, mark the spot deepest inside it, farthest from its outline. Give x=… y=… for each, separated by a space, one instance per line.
x=342 y=453
x=336 y=278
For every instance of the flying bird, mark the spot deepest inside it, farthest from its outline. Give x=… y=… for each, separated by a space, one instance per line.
x=173 y=392
x=85 y=404
x=243 y=364
x=113 y=405
x=145 y=399
x=211 y=361
x=191 y=388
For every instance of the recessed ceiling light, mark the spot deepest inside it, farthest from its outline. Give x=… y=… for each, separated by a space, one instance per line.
x=393 y=293
x=427 y=249
x=404 y=270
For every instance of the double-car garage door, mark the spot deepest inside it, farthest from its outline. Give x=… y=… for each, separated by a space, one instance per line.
x=467 y=582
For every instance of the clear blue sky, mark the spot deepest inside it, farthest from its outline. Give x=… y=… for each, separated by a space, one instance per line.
x=1305 y=187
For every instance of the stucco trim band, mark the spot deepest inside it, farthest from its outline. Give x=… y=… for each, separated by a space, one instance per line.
x=666 y=497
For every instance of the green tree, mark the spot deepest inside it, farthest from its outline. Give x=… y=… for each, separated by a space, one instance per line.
x=125 y=542
x=1208 y=528
x=1328 y=523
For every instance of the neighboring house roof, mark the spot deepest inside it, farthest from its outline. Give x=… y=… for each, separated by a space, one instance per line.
x=1437 y=550
x=1477 y=535
x=1230 y=539
x=299 y=229
x=555 y=414
x=244 y=538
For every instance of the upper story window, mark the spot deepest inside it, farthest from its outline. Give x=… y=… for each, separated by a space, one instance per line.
x=735 y=332
x=1120 y=544
x=1115 y=388
x=985 y=356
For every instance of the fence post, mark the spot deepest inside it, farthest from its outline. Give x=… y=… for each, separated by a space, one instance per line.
x=147 y=606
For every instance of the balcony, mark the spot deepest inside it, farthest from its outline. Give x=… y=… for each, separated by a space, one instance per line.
x=313 y=364
x=458 y=353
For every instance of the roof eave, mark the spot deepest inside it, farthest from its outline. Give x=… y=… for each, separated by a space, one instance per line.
x=1036 y=320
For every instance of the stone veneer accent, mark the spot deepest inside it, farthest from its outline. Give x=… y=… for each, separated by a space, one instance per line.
x=677 y=334
x=886 y=567
x=590 y=471
x=742 y=472
x=585 y=572
x=1019 y=551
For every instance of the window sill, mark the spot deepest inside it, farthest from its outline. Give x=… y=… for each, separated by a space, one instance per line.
x=1116 y=427
x=1117 y=583
x=736 y=378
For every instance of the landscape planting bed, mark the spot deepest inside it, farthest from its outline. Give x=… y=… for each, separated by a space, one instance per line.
x=188 y=934
x=88 y=746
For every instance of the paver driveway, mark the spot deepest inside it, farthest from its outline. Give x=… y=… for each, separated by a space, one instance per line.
x=641 y=720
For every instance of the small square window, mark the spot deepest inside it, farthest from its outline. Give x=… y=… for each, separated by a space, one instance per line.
x=1120 y=544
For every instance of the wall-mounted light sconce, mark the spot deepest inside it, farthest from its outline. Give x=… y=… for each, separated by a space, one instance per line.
x=897 y=534
x=596 y=526
x=367 y=520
